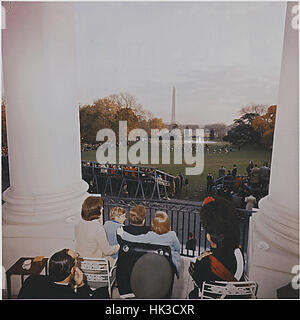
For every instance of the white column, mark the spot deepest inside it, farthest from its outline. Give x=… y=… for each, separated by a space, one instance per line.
x=39 y=69
x=42 y=113
x=274 y=229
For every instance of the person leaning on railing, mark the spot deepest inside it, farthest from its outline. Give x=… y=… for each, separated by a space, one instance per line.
x=224 y=262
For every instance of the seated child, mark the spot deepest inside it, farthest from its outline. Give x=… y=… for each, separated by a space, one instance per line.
x=117 y=217
x=161 y=234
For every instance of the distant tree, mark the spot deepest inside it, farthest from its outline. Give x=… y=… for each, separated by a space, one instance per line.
x=107 y=112
x=259 y=109
x=254 y=126
x=125 y=114
x=94 y=117
x=243 y=133
x=212 y=134
x=126 y=100
x=246 y=118
x=267 y=139
x=156 y=123
x=265 y=125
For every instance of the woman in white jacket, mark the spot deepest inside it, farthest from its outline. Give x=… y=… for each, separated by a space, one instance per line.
x=90 y=236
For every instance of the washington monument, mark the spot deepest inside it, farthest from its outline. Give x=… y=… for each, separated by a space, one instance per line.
x=173 y=107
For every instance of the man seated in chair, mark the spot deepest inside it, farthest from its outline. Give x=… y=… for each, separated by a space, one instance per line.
x=161 y=234
x=224 y=262
x=65 y=280
x=137 y=218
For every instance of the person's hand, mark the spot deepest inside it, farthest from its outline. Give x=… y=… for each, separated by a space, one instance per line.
x=78 y=277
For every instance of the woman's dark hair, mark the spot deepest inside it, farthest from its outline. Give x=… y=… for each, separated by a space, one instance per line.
x=91 y=208
x=60 y=265
x=219 y=219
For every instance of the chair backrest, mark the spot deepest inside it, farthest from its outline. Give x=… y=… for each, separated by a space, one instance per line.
x=129 y=254
x=151 y=277
x=134 y=250
x=97 y=272
x=229 y=290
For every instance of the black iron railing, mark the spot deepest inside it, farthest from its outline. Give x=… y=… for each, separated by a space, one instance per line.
x=184 y=217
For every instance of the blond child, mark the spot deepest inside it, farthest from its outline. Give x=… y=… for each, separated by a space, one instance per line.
x=117 y=217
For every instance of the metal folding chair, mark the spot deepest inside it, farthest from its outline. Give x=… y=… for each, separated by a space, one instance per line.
x=98 y=273
x=229 y=290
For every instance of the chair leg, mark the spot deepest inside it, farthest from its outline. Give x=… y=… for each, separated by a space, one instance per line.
x=109 y=290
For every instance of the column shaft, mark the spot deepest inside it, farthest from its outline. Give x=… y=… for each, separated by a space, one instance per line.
x=39 y=63
x=274 y=229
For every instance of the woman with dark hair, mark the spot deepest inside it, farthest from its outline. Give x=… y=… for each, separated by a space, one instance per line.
x=91 y=240
x=224 y=262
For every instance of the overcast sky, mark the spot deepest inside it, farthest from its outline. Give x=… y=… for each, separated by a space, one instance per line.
x=219 y=56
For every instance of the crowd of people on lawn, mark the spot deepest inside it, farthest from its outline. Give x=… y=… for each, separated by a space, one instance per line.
x=245 y=190
x=87 y=147
x=219 y=149
x=65 y=280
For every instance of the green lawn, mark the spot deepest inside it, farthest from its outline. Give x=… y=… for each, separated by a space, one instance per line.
x=196 y=188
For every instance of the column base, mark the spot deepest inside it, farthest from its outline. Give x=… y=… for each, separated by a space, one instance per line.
x=41 y=209
x=273 y=247
x=34 y=240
